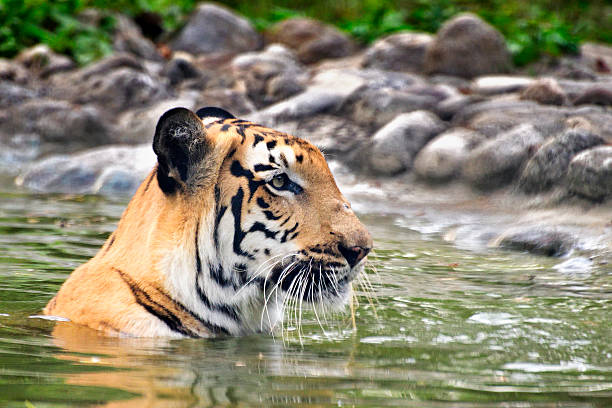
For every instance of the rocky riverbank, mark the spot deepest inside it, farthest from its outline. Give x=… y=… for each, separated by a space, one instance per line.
x=437 y=110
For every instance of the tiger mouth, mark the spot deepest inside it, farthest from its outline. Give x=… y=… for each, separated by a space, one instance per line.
x=312 y=281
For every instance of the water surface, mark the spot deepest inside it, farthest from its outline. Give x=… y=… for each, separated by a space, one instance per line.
x=450 y=326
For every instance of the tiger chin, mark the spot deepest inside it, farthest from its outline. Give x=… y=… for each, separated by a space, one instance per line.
x=235 y=221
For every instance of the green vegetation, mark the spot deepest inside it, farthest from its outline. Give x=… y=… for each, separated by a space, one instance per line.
x=532 y=29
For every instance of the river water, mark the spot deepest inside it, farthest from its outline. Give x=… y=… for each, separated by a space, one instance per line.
x=444 y=323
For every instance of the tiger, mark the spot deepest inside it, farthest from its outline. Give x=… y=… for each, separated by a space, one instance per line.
x=234 y=221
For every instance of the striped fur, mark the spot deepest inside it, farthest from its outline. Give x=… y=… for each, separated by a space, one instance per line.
x=235 y=221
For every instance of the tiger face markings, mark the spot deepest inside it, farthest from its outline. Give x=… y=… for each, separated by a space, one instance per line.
x=235 y=221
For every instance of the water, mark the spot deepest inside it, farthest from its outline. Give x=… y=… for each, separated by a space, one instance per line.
x=452 y=325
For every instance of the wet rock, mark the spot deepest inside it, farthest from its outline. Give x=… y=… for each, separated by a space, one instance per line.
x=600 y=94
x=128 y=39
x=270 y=75
x=216 y=29
x=67 y=126
x=42 y=61
x=107 y=170
x=398 y=52
x=545 y=91
x=493 y=85
x=549 y=164
x=179 y=69
x=138 y=125
x=16 y=150
x=13 y=94
x=394 y=146
x=590 y=173
x=496 y=162
x=442 y=158
x=537 y=240
x=466 y=46
x=312 y=40
x=336 y=137
x=233 y=101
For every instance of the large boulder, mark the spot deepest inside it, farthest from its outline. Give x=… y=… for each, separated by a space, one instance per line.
x=216 y=29
x=394 y=146
x=549 y=165
x=398 y=52
x=442 y=158
x=466 y=46
x=590 y=173
x=107 y=170
x=311 y=39
x=497 y=162
x=128 y=39
x=539 y=240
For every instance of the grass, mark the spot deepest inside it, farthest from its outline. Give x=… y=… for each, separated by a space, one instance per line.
x=531 y=29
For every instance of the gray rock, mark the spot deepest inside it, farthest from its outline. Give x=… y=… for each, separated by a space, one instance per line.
x=180 y=69
x=498 y=161
x=590 y=173
x=597 y=56
x=599 y=94
x=549 y=164
x=466 y=46
x=42 y=61
x=442 y=158
x=270 y=75
x=498 y=84
x=17 y=150
x=394 y=146
x=231 y=100
x=447 y=108
x=129 y=39
x=68 y=126
x=13 y=94
x=312 y=40
x=216 y=29
x=13 y=72
x=545 y=91
x=106 y=170
x=398 y=52
x=539 y=240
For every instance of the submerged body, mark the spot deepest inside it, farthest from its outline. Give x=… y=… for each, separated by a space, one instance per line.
x=234 y=221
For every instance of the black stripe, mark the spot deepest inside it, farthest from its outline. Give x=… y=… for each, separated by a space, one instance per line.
x=157 y=310
x=262 y=203
x=284 y=238
x=270 y=215
x=258 y=138
x=299 y=158
x=271 y=144
x=239 y=234
x=110 y=243
x=259 y=227
x=263 y=167
x=239 y=171
x=151 y=177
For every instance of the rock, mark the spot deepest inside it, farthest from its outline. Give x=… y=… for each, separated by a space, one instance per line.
x=16 y=150
x=545 y=91
x=496 y=162
x=13 y=72
x=447 y=108
x=231 y=100
x=496 y=116
x=398 y=52
x=216 y=29
x=442 y=158
x=179 y=69
x=395 y=145
x=590 y=173
x=539 y=240
x=13 y=94
x=466 y=46
x=597 y=56
x=128 y=39
x=41 y=60
x=494 y=85
x=336 y=137
x=68 y=126
x=549 y=164
x=311 y=39
x=600 y=94
x=270 y=75
x=107 y=170
x=138 y=125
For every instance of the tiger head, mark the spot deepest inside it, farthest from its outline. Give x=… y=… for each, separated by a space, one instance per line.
x=270 y=224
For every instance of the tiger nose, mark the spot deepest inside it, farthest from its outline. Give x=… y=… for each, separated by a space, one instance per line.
x=353 y=254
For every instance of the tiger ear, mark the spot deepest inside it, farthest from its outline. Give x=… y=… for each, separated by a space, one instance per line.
x=181 y=146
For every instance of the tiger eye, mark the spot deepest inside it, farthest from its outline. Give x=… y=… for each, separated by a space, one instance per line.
x=278 y=181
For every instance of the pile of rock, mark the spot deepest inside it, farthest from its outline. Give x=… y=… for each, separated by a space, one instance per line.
x=445 y=107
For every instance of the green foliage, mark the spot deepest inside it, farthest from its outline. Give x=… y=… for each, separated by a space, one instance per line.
x=531 y=29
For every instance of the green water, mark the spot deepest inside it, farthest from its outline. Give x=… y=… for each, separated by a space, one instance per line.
x=448 y=327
